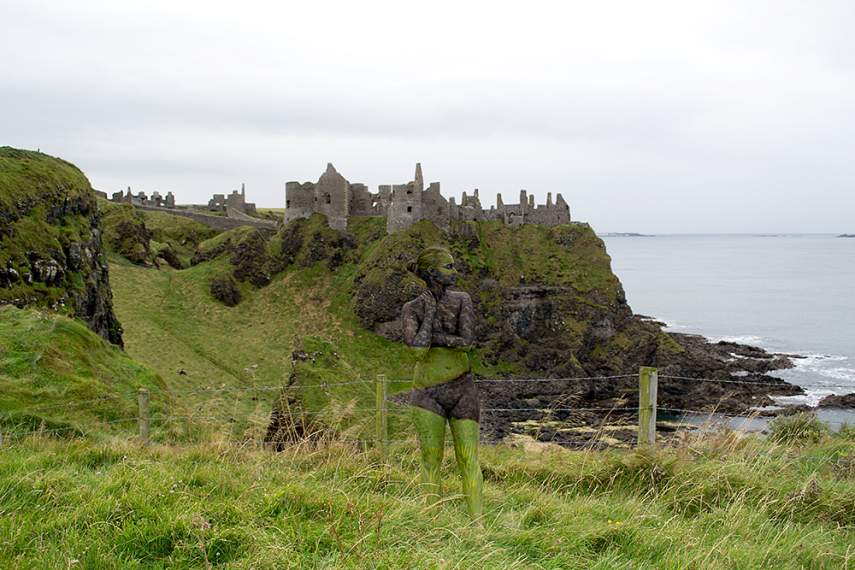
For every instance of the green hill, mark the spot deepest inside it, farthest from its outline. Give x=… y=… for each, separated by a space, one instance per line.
x=48 y=360
x=200 y=345
x=313 y=290
x=50 y=241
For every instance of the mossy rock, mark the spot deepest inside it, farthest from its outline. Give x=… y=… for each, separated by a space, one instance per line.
x=51 y=241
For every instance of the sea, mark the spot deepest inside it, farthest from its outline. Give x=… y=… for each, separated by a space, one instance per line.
x=792 y=294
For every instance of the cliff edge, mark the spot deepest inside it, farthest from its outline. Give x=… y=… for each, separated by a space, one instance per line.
x=51 y=254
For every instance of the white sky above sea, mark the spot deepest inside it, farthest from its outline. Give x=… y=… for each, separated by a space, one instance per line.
x=651 y=117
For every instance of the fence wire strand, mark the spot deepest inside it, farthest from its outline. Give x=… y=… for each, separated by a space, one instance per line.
x=782 y=384
x=749 y=452
x=482 y=380
x=539 y=410
x=54 y=430
x=262 y=389
x=14 y=412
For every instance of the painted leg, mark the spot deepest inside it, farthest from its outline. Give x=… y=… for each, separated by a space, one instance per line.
x=465 y=434
x=431 y=430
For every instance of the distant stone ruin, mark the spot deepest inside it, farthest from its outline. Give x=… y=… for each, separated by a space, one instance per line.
x=156 y=200
x=237 y=209
x=219 y=203
x=406 y=204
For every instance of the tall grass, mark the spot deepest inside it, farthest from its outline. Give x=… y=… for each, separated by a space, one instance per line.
x=89 y=505
x=48 y=360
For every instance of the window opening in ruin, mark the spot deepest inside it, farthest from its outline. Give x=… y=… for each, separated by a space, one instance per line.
x=287 y=203
x=326 y=198
x=439 y=210
x=409 y=208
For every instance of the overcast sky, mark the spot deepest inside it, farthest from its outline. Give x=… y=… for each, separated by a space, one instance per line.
x=652 y=117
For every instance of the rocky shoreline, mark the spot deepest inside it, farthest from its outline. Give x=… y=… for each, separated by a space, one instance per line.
x=725 y=378
x=722 y=377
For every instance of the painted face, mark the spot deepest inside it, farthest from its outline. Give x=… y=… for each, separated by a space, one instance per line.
x=444 y=273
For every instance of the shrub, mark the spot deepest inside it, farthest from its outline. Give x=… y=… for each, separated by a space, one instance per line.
x=803 y=427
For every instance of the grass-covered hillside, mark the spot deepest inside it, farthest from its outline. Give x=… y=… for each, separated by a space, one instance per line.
x=47 y=360
x=28 y=176
x=198 y=344
x=151 y=238
x=50 y=241
x=247 y=301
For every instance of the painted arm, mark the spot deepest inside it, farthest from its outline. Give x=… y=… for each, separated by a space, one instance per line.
x=418 y=328
x=465 y=328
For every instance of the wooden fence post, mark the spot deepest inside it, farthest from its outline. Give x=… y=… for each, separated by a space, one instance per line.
x=145 y=419
x=382 y=427
x=648 y=380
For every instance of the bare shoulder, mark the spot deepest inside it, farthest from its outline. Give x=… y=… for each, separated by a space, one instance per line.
x=414 y=305
x=458 y=296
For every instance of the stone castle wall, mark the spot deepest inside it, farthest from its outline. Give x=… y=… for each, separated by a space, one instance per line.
x=235 y=205
x=216 y=222
x=218 y=203
x=406 y=204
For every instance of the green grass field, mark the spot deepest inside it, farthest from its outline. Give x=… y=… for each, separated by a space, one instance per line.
x=78 y=489
x=206 y=349
x=84 y=504
x=47 y=360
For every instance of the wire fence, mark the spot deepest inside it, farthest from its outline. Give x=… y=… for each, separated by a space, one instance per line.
x=645 y=411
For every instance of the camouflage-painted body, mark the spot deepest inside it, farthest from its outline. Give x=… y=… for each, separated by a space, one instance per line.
x=444 y=358
x=439 y=328
x=454 y=399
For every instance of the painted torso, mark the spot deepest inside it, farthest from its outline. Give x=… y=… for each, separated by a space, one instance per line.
x=451 y=338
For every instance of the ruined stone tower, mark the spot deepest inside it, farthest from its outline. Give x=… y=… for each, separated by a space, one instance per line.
x=406 y=204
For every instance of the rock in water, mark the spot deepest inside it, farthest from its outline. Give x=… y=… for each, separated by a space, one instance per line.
x=839 y=402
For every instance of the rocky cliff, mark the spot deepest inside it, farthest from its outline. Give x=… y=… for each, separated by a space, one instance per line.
x=547 y=304
x=51 y=252
x=547 y=307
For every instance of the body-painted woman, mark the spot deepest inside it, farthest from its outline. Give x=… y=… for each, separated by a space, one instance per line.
x=438 y=328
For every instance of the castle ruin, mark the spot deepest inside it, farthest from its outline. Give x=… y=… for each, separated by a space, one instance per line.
x=218 y=203
x=221 y=202
x=235 y=206
x=406 y=204
x=156 y=200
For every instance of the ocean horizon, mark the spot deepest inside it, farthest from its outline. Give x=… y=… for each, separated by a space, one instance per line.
x=785 y=293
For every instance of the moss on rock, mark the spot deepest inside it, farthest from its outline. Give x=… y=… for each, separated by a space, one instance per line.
x=51 y=241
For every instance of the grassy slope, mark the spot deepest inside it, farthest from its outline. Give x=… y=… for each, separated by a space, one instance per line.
x=26 y=174
x=175 y=324
x=182 y=235
x=84 y=505
x=49 y=360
